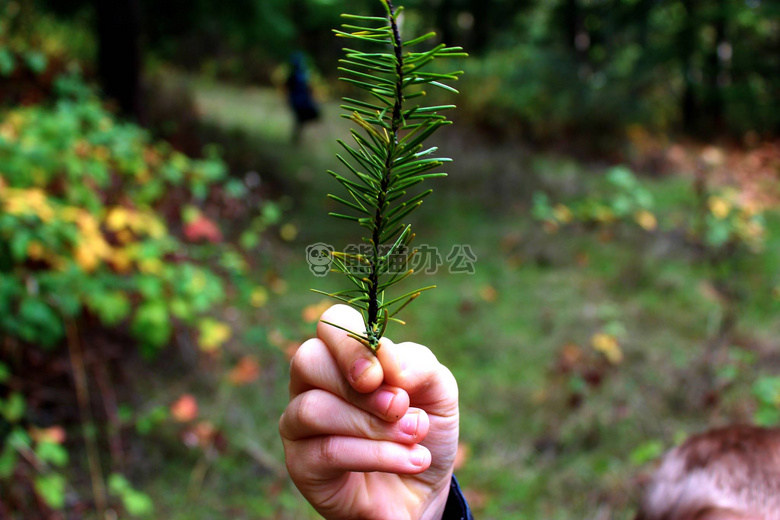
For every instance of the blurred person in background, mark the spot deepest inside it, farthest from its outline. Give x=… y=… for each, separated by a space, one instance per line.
x=299 y=96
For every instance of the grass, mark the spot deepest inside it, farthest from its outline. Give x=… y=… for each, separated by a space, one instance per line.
x=532 y=453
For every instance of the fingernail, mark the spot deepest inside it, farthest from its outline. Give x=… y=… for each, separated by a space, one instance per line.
x=359 y=368
x=419 y=457
x=409 y=424
x=384 y=399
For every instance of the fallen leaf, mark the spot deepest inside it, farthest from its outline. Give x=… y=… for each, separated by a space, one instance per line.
x=607 y=345
x=246 y=371
x=202 y=230
x=276 y=338
x=646 y=220
x=288 y=232
x=582 y=258
x=712 y=156
x=259 y=296
x=199 y=435
x=488 y=293
x=562 y=214
x=53 y=434
x=185 y=409
x=213 y=334
x=569 y=358
x=719 y=207
x=312 y=313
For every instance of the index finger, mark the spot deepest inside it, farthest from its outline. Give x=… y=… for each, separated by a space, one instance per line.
x=358 y=364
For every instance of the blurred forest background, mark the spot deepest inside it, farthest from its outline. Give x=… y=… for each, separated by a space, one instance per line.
x=616 y=175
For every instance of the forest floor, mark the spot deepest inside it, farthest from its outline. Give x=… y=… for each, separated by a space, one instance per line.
x=551 y=427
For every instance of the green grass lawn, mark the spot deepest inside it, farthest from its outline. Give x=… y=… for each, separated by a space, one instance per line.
x=533 y=453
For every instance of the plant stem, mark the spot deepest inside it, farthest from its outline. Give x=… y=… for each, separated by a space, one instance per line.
x=82 y=395
x=373 y=291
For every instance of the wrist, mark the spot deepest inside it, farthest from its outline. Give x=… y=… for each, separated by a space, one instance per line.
x=438 y=503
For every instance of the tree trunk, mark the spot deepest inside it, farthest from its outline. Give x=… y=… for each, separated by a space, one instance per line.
x=481 y=30
x=571 y=22
x=444 y=14
x=714 y=100
x=687 y=46
x=119 y=54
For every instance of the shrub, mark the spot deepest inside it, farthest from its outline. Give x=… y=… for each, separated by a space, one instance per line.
x=98 y=220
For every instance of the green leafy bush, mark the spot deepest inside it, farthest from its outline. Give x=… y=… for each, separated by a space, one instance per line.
x=622 y=198
x=80 y=194
x=101 y=224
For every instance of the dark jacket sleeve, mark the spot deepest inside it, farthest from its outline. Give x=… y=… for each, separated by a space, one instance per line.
x=456 y=508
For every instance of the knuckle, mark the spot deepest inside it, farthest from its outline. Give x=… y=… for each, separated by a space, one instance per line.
x=452 y=388
x=292 y=461
x=448 y=378
x=373 y=425
x=329 y=450
x=422 y=355
x=305 y=408
x=304 y=356
x=376 y=455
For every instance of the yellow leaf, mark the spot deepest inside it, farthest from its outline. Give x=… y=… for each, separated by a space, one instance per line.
x=150 y=266
x=35 y=250
x=213 y=334
x=86 y=257
x=646 y=220
x=53 y=434
x=312 y=313
x=120 y=260
x=719 y=207
x=607 y=345
x=488 y=293
x=259 y=296
x=117 y=219
x=124 y=236
x=603 y=214
x=562 y=214
x=288 y=232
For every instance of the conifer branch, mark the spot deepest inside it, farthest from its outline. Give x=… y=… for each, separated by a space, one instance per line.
x=386 y=159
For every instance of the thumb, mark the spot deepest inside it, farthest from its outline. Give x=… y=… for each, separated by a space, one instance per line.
x=414 y=368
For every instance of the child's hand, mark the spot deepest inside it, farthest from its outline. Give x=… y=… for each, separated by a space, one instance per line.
x=369 y=437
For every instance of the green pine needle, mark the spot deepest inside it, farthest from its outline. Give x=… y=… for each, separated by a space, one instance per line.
x=387 y=159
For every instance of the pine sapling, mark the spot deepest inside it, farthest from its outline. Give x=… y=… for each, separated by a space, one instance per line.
x=387 y=159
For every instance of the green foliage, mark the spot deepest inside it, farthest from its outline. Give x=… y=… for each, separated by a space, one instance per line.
x=136 y=503
x=92 y=231
x=621 y=198
x=730 y=220
x=589 y=71
x=388 y=158
x=46 y=454
x=51 y=488
x=32 y=42
x=79 y=193
x=646 y=452
x=767 y=392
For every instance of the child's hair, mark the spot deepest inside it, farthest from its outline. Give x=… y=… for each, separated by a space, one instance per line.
x=731 y=473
